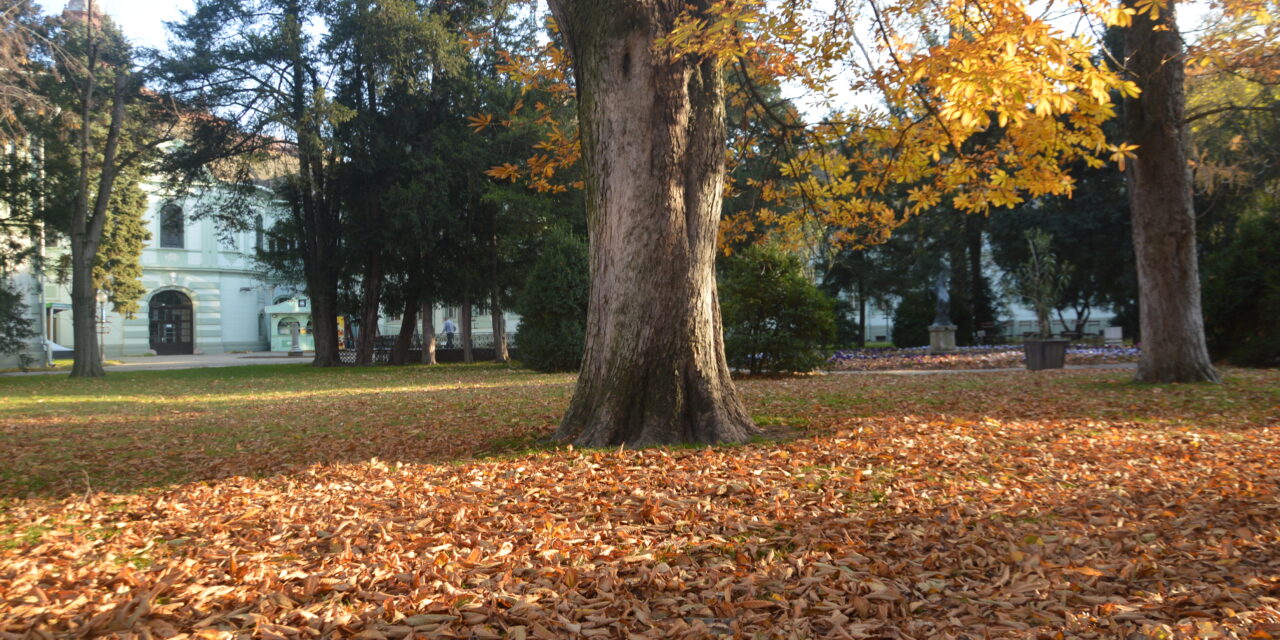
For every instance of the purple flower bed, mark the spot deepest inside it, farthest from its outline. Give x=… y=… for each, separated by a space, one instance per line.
x=975 y=357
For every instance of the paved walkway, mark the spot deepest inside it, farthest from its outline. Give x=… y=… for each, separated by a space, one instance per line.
x=163 y=363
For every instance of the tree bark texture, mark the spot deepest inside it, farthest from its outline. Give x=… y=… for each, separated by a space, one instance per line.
x=324 y=322
x=408 y=323
x=654 y=369
x=87 y=227
x=500 y=351
x=370 y=298
x=428 y=333
x=1160 y=198
x=84 y=322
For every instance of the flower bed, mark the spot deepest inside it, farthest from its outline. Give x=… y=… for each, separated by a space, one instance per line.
x=1002 y=356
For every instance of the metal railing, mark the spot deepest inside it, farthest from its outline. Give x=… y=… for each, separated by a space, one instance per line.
x=382 y=346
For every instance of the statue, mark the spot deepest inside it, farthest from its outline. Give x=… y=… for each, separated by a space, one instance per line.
x=942 y=308
x=942 y=333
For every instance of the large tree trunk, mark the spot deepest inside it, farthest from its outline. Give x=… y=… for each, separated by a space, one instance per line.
x=428 y=333
x=370 y=297
x=324 y=323
x=464 y=320
x=408 y=323
x=654 y=369
x=314 y=207
x=84 y=321
x=1160 y=198
x=500 y=353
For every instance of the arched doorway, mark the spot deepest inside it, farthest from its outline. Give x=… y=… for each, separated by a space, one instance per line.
x=172 y=320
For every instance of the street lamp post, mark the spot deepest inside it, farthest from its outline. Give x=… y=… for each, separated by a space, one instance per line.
x=102 y=325
x=295 y=346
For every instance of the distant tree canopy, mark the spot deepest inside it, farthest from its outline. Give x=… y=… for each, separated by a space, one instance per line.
x=1091 y=231
x=912 y=316
x=389 y=210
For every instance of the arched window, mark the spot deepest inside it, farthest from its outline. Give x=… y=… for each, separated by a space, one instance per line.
x=172 y=227
x=286 y=325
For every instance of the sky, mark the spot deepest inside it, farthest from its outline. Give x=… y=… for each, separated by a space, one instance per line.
x=142 y=21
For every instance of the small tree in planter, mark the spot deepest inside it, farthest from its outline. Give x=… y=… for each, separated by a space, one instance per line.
x=1039 y=282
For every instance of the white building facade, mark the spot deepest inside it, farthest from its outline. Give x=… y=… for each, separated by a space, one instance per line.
x=203 y=292
x=204 y=295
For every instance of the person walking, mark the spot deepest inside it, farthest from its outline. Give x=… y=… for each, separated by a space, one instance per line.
x=449 y=329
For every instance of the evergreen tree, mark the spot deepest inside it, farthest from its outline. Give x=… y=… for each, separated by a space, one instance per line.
x=1242 y=289
x=260 y=77
x=388 y=58
x=775 y=319
x=19 y=28
x=93 y=152
x=553 y=305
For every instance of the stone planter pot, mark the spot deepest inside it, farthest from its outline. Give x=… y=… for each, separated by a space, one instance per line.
x=1045 y=353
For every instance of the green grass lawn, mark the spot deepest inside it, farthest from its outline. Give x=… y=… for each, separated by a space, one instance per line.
x=147 y=428
x=292 y=502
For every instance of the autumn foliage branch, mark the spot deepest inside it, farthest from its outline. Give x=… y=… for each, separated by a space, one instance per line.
x=971 y=105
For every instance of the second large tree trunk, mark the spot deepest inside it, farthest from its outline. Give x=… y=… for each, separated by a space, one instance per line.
x=654 y=369
x=1160 y=197
x=324 y=324
x=408 y=324
x=500 y=353
x=84 y=321
x=496 y=316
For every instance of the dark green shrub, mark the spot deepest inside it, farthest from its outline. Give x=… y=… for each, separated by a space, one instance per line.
x=912 y=317
x=775 y=319
x=553 y=306
x=15 y=327
x=1242 y=294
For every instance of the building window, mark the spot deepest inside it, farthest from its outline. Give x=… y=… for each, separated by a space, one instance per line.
x=258 y=233
x=286 y=325
x=172 y=227
x=302 y=303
